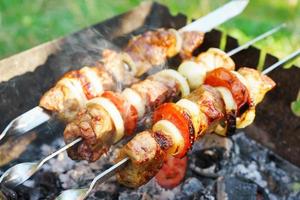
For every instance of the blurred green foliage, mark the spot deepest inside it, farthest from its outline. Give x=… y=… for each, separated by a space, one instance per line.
x=27 y=23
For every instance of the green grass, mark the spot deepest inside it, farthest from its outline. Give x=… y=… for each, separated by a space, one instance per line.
x=27 y=23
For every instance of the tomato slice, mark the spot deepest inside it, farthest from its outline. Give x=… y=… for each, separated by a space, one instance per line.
x=127 y=111
x=223 y=77
x=176 y=115
x=172 y=172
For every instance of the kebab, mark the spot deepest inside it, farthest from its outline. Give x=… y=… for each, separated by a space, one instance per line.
x=109 y=118
x=188 y=120
x=142 y=53
x=94 y=153
x=140 y=44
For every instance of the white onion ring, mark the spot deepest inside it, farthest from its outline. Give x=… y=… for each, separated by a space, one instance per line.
x=168 y=128
x=136 y=100
x=129 y=62
x=194 y=73
x=114 y=113
x=242 y=79
x=231 y=110
x=228 y=99
x=194 y=110
x=178 y=40
x=182 y=82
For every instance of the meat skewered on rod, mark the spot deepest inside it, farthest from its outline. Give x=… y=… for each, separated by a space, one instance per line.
x=207 y=62
x=143 y=156
x=75 y=88
x=39 y=115
x=101 y=126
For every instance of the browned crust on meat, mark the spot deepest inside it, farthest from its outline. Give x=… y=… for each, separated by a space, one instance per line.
x=94 y=125
x=164 y=141
x=210 y=102
x=191 y=40
x=146 y=158
x=151 y=49
x=155 y=92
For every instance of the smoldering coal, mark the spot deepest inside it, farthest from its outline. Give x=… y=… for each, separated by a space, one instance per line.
x=242 y=162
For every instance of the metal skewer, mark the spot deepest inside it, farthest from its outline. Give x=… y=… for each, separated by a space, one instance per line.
x=38 y=115
x=281 y=62
x=19 y=173
x=28 y=171
x=80 y=194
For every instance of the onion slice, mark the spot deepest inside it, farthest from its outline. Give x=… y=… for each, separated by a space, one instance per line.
x=193 y=72
x=169 y=129
x=129 y=62
x=231 y=112
x=246 y=119
x=136 y=100
x=241 y=78
x=114 y=114
x=178 y=40
x=192 y=109
x=227 y=98
x=180 y=80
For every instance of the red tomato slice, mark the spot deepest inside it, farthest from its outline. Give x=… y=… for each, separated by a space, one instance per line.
x=172 y=172
x=176 y=115
x=223 y=77
x=128 y=111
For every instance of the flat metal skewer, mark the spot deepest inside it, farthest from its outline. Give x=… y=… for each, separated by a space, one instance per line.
x=19 y=173
x=281 y=62
x=262 y=36
x=14 y=171
x=38 y=115
x=80 y=194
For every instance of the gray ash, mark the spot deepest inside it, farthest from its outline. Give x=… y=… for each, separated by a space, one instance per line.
x=218 y=167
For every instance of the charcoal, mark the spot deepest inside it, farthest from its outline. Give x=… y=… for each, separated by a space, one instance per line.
x=192 y=186
x=105 y=195
x=208 y=157
x=210 y=141
x=232 y=187
x=130 y=196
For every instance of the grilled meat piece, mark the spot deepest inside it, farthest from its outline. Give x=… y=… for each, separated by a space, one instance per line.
x=146 y=158
x=156 y=92
x=151 y=49
x=95 y=126
x=121 y=67
x=210 y=102
x=190 y=41
x=259 y=84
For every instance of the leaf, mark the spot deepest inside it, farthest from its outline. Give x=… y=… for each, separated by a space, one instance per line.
x=295 y=106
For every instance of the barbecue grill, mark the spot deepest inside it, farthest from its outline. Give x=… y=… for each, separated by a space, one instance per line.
x=26 y=76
